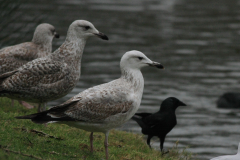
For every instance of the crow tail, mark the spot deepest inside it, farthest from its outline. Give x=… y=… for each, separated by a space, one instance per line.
x=140 y=122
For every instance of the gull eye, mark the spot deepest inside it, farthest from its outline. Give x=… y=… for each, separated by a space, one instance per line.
x=140 y=58
x=87 y=27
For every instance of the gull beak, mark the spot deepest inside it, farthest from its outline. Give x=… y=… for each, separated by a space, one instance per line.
x=156 y=64
x=101 y=35
x=56 y=35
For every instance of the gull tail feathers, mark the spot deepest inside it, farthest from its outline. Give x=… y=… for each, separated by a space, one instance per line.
x=52 y=115
x=44 y=117
x=39 y=118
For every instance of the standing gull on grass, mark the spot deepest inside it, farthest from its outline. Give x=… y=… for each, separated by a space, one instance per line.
x=54 y=76
x=13 y=57
x=229 y=157
x=106 y=106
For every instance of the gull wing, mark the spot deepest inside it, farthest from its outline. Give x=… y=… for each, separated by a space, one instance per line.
x=40 y=76
x=94 y=105
x=14 y=57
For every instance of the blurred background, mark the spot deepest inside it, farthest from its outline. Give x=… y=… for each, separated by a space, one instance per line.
x=196 y=40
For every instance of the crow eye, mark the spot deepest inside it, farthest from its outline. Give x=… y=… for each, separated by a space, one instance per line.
x=140 y=58
x=87 y=27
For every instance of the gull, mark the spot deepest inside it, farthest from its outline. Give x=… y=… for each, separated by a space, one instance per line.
x=53 y=76
x=106 y=106
x=229 y=157
x=160 y=123
x=13 y=57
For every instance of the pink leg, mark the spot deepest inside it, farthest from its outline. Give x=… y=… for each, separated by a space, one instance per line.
x=12 y=102
x=26 y=104
x=106 y=145
x=91 y=142
x=42 y=107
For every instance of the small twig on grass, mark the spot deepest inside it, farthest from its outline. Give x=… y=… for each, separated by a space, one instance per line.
x=45 y=134
x=27 y=155
x=22 y=129
x=64 y=154
x=31 y=144
x=40 y=133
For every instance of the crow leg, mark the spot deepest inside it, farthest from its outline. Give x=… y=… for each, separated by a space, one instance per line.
x=162 y=139
x=148 y=140
x=42 y=107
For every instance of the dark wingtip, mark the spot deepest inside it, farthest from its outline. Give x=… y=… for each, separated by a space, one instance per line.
x=22 y=117
x=31 y=116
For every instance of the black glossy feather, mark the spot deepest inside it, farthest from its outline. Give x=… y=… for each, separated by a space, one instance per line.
x=160 y=123
x=143 y=114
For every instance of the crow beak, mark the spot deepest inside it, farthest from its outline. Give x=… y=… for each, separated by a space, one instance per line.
x=101 y=35
x=56 y=35
x=181 y=104
x=156 y=64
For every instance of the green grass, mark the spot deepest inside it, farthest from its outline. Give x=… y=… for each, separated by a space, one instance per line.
x=23 y=139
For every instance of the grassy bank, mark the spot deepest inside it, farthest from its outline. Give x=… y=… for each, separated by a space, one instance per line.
x=22 y=139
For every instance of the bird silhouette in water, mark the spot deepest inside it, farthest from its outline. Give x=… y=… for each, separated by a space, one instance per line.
x=160 y=123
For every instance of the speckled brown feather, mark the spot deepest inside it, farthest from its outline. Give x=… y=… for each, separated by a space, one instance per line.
x=53 y=76
x=13 y=57
x=41 y=82
x=95 y=104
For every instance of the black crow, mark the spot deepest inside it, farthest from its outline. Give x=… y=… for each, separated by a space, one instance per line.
x=160 y=123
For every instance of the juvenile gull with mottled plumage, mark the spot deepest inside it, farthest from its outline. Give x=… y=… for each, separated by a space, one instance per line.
x=53 y=76
x=106 y=106
x=13 y=57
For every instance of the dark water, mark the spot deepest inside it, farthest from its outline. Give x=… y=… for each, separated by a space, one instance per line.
x=196 y=40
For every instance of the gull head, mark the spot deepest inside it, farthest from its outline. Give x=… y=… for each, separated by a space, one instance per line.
x=137 y=60
x=44 y=33
x=85 y=29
